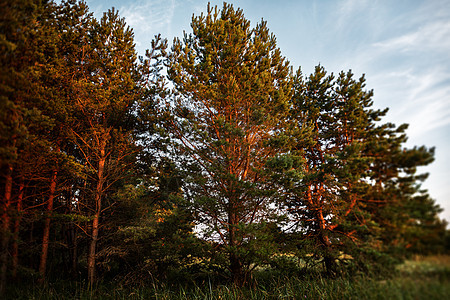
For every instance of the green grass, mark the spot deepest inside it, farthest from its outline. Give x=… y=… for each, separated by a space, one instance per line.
x=419 y=278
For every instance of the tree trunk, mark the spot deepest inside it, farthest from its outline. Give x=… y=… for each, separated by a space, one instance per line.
x=95 y=222
x=15 y=254
x=46 y=236
x=328 y=257
x=235 y=262
x=91 y=258
x=330 y=264
x=74 y=254
x=5 y=228
x=72 y=239
x=236 y=270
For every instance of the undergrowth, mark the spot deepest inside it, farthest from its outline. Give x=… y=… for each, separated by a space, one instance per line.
x=419 y=278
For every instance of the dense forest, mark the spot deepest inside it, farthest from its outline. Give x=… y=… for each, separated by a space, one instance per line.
x=209 y=157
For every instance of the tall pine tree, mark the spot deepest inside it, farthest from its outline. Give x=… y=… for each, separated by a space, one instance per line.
x=104 y=96
x=232 y=88
x=327 y=203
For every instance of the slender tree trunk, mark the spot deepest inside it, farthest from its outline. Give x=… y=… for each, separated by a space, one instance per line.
x=5 y=228
x=74 y=251
x=95 y=222
x=92 y=249
x=235 y=262
x=46 y=235
x=329 y=259
x=236 y=269
x=15 y=254
x=72 y=239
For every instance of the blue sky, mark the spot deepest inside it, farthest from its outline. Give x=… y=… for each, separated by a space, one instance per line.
x=403 y=48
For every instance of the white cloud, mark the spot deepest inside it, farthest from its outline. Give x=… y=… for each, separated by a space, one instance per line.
x=434 y=36
x=407 y=63
x=419 y=98
x=348 y=7
x=148 y=18
x=351 y=15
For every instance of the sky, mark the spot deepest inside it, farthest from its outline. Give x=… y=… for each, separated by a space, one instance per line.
x=402 y=47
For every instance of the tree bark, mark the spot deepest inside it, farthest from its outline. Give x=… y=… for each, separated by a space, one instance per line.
x=328 y=257
x=5 y=228
x=235 y=262
x=95 y=222
x=15 y=254
x=72 y=239
x=92 y=247
x=236 y=270
x=46 y=235
x=74 y=251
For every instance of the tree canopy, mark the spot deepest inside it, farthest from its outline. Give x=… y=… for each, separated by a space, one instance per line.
x=205 y=157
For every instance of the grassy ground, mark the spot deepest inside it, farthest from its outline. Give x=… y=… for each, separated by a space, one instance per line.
x=418 y=278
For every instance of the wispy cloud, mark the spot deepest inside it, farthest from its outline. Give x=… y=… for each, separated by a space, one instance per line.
x=149 y=17
x=349 y=7
x=407 y=61
x=354 y=15
x=433 y=36
x=426 y=101
x=406 y=55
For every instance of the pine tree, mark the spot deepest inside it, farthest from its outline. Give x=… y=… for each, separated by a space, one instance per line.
x=326 y=201
x=104 y=96
x=405 y=215
x=21 y=122
x=232 y=88
x=52 y=72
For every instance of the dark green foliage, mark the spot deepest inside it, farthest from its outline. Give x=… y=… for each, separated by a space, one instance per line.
x=231 y=94
x=151 y=233
x=331 y=196
x=406 y=215
x=325 y=203
x=228 y=167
